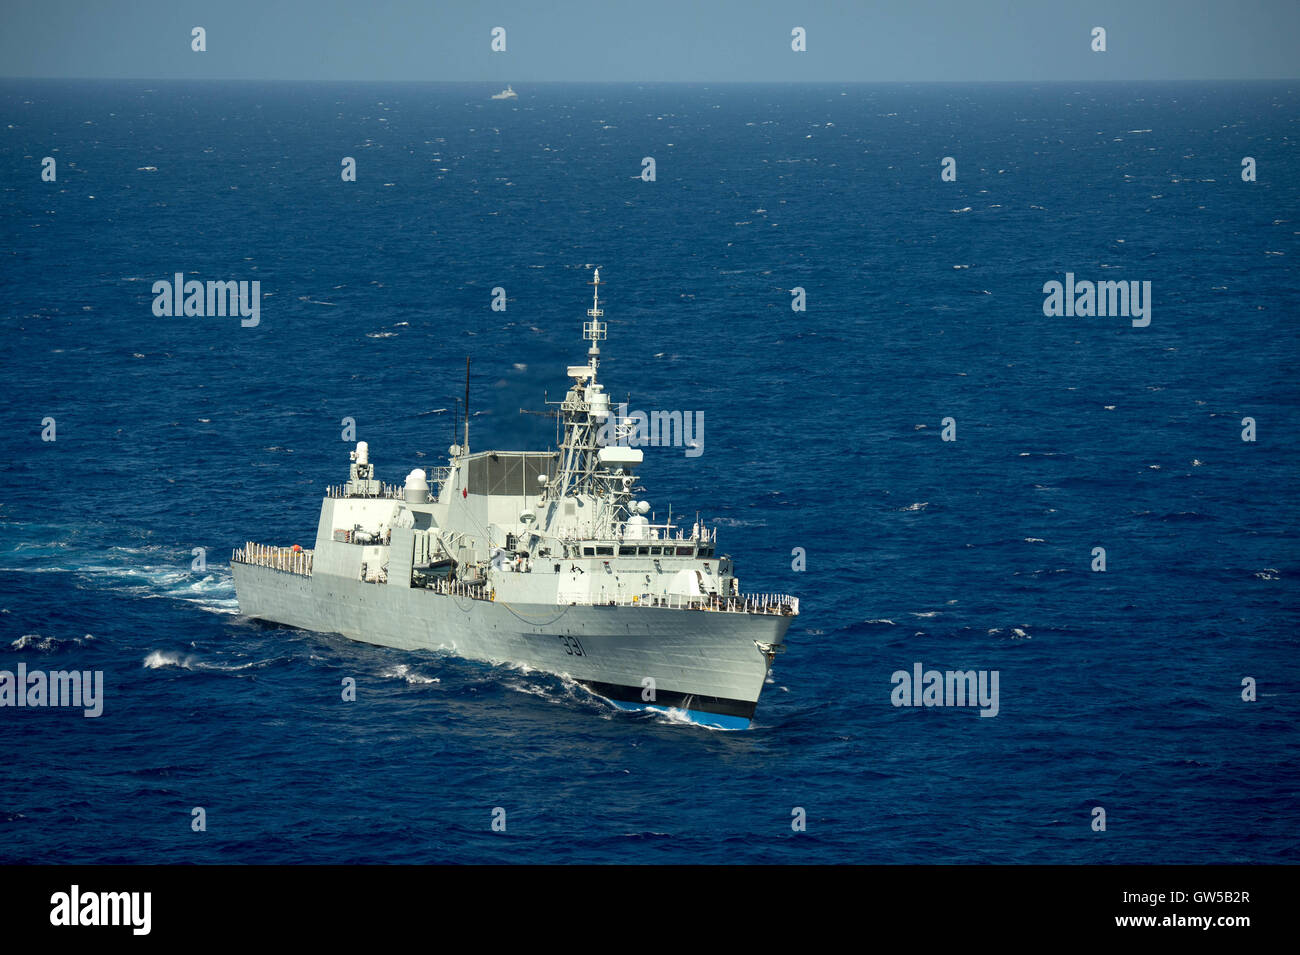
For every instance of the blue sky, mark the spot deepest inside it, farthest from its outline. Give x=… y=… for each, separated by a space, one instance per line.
x=652 y=40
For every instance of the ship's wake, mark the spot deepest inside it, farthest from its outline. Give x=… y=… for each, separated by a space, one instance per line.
x=150 y=571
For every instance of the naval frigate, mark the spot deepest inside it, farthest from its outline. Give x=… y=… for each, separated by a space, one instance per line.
x=545 y=559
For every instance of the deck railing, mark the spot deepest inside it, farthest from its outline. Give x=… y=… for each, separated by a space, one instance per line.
x=778 y=604
x=288 y=559
x=476 y=588
x=775 y=604
x=394 y=492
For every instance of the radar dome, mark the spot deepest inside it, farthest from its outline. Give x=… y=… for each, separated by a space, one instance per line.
x=417 y=487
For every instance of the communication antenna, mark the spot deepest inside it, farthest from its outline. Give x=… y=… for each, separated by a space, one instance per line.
x=594 y=330
x=466 y=450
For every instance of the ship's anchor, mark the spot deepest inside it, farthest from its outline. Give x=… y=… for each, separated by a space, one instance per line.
x=769 y=651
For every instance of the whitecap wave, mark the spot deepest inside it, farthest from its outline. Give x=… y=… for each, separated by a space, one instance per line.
x=158 y=659
x=45 y=644
x=161 y=659
x=735 y=522
x=403 y=671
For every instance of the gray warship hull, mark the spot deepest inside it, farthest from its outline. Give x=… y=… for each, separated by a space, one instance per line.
x=544 y=559
x=709 y=665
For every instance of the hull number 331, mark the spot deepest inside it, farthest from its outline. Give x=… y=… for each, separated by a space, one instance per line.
x=572 y=646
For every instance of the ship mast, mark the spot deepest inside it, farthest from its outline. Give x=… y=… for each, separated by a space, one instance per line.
x=584 y=411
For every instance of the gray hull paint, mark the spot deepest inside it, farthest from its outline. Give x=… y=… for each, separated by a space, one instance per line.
x=700 y=655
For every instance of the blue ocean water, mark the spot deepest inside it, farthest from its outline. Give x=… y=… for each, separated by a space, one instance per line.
x=1120 y=690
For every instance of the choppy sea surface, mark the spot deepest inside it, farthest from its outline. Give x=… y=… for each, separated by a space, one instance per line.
x=1120 y=689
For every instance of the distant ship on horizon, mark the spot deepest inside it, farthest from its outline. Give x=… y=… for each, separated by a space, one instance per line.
x=507 y=93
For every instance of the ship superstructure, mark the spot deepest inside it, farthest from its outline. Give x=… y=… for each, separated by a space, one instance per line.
x=543 y=558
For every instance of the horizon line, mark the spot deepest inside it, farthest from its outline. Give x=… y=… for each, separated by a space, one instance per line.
x=644 y=82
